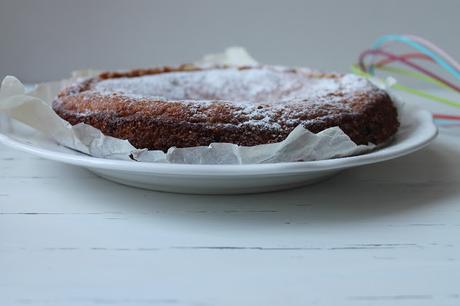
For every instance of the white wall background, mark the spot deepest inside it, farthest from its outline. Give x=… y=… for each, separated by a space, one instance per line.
x=46 y=39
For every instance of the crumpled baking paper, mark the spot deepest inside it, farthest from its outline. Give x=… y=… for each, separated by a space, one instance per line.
x=34 y=109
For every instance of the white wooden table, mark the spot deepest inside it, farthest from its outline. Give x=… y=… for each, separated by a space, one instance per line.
x=385 y=234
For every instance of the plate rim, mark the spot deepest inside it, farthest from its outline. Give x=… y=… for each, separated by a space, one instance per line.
x=423 y=117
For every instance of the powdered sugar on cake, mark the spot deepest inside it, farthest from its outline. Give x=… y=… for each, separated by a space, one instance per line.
x=266 y=85
x=246 y=89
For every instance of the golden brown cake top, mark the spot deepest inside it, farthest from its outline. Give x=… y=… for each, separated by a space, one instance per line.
x=259 y=96
x=267 y=85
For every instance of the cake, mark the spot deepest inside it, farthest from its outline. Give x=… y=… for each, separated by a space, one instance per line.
x=189 y=106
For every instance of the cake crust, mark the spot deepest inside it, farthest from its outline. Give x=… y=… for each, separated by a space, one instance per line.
x=188 y=106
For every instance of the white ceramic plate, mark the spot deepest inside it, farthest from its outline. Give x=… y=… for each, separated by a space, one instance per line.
x=417 y=130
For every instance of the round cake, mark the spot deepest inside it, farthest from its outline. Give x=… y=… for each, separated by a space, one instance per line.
x=189 y=106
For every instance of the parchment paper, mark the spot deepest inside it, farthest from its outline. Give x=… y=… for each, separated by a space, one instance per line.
x=34 y=109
